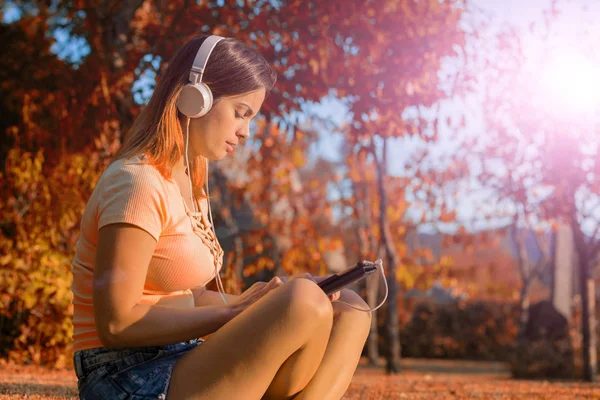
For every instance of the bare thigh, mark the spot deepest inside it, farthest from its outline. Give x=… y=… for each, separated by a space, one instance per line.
x=240 y=360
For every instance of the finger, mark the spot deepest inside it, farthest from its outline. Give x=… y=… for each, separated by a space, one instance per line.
x=273 y=284
x=257 y=286
x=276 y=281
x=302 y=275
x=334 y=296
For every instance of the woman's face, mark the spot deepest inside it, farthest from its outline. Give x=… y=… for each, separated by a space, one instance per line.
x=226 y=124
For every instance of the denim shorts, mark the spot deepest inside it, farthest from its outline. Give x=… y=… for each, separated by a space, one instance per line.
x=128 y=373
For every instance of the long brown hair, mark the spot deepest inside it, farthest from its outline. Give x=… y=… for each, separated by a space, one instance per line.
x=232 y=69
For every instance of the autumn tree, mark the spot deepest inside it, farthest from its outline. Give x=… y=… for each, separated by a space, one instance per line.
x=398 y=75
x=541 y=147
x=378 y=57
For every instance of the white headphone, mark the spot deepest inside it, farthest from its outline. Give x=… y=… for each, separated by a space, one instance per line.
x=196 y=99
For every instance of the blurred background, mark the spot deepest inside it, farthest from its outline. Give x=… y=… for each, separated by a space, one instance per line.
x=456 y=140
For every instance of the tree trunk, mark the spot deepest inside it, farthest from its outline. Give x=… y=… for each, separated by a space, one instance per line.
x=373 y=340
x=392 y=326
x=588 y=305
x=117 y=33
x=524 y=313
x=366 y=244
x=225 y=207
x=392 y=261
x=588 y=321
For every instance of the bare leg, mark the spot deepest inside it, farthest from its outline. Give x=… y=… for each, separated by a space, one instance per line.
x=298 y=369
x=332 y=378
x=240 y=360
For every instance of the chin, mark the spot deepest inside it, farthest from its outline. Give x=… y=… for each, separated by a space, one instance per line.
x=217 y=156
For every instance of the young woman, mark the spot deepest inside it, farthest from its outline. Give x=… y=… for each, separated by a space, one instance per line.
x=147 y=249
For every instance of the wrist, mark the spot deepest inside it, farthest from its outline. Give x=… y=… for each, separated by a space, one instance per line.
x=233 y=310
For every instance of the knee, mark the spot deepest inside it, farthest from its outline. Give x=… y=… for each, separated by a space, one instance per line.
x=307 y=302
x=345 y=311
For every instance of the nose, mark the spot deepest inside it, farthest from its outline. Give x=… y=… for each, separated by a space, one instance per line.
x=244 y=132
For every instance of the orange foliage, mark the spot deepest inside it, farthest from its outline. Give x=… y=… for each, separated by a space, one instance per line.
x=66 y=118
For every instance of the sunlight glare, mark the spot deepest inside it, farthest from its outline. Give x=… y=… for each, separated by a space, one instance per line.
x=571 y=82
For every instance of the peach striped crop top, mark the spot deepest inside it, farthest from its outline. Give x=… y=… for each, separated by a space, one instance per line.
x=134 y=192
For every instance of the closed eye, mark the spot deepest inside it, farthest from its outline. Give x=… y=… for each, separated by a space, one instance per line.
x=249 y=111
x=238 y=115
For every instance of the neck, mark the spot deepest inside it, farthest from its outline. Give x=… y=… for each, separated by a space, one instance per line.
x=179 y=167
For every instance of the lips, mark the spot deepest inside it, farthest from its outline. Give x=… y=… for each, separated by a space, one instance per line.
x=230 y=146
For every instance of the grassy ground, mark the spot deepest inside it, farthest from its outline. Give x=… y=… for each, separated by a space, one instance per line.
x=420 y=379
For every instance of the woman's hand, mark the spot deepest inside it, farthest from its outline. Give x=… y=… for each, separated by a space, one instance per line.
x=316 y=279
x=254 y=293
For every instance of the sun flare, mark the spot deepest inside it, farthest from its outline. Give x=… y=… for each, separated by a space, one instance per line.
x=571 y=82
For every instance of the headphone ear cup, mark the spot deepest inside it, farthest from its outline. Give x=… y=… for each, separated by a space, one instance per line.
x=195 y=100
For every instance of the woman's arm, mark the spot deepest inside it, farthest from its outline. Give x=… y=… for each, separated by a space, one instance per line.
x=204 y=297
x=123 y=254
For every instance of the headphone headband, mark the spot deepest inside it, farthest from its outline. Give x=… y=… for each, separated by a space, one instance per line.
x=202 y=58
x=196 y=98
